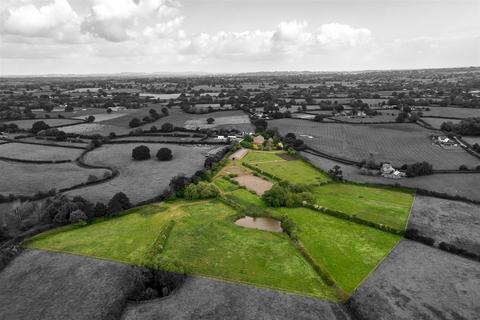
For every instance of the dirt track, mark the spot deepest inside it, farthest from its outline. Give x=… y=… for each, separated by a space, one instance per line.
x=256 y=184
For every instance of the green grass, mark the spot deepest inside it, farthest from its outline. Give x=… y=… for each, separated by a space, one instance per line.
x=347 y=250
x=259 y=156
x=225 y=185
x=206 y=242
x=296 y=171
x=381 y=205
x=125 y=238
x=246 y=198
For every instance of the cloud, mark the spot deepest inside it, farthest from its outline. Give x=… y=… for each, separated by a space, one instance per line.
x=121 y=20
x=288 y=38
x=55 y=20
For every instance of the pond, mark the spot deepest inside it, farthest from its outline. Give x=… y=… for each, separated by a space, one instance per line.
x=261 y=223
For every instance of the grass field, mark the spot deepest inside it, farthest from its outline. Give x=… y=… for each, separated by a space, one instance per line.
x=396 y=143
x=381 y=205
x=52 y=122
x=27 y=179
x=38 y=152
x=348 y=251
x=204 y=241
x=294 y=171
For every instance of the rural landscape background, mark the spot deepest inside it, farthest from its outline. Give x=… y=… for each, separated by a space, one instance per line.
x=164 y=160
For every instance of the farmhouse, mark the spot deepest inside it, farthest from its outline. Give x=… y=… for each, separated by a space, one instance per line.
x=388 y=171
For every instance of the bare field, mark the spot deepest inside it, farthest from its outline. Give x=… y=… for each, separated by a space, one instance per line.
x=47 y=285
x=395 y=143
x=52 y=122
x=140 y=180
x=465 y=185
x=28 y=179
x=38 y=152
x=256 y=184
x=453 y=222
x=452 y=112
x=420 y=282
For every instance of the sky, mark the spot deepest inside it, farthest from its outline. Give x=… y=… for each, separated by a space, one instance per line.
x=230 y=36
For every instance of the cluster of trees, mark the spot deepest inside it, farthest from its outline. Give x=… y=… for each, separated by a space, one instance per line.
x=291 y=141
x=284 y=194
x=466 y=127
x=418 y=169
x=60 y=209
x=142 y=152
x=152 y=116
x=201 y=190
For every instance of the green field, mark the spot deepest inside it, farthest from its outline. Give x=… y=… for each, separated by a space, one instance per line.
x=295 y=171
x=349 y=251
x=387 y=206
x=205 y=240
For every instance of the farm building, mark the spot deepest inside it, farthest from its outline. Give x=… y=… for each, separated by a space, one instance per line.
x=388 y=171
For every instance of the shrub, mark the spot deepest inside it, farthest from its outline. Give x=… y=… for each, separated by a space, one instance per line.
x=39 y=126
x=100 y=210
x=202 y=190
x=92 y=178
x=135 y=122
x=167 y=127
x=419 y=169
x=164 y=154
x=210 y=120
x=284 y=194
x=336 y=173
x=463 y=167
x=141 y=153
x=78 y=216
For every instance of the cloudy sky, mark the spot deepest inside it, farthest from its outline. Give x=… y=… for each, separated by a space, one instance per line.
x=108 y=36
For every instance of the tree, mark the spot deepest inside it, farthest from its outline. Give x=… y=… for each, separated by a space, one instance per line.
x=109 y=110
x=39 y=126
x=167 y=127
x=318 y=118
x=90 y=118
x=78 y=216
x=164 y=154
x=141 y=153
x=135 y=122
x=69 y=109
x=119 y=202
x=210 y=120
x=100 y=210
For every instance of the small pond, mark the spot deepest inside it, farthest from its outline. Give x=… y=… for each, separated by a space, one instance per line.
x=261 y=223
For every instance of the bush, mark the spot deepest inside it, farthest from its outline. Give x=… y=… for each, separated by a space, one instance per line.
x=210 y=120
x=39 y=126
x=463 y=167
x=141 y=153
x=100 y=210
x=92 y=178
x=119 y=202
x=164 y=154
x=167 y=127
x=284 y=194
x=419 y=169
x=135 y=122
x=202 y=190
x=78 y=216
x=336 y=173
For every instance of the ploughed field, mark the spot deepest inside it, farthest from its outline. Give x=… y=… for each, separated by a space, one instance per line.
x=201 y=237
x=396 y=143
